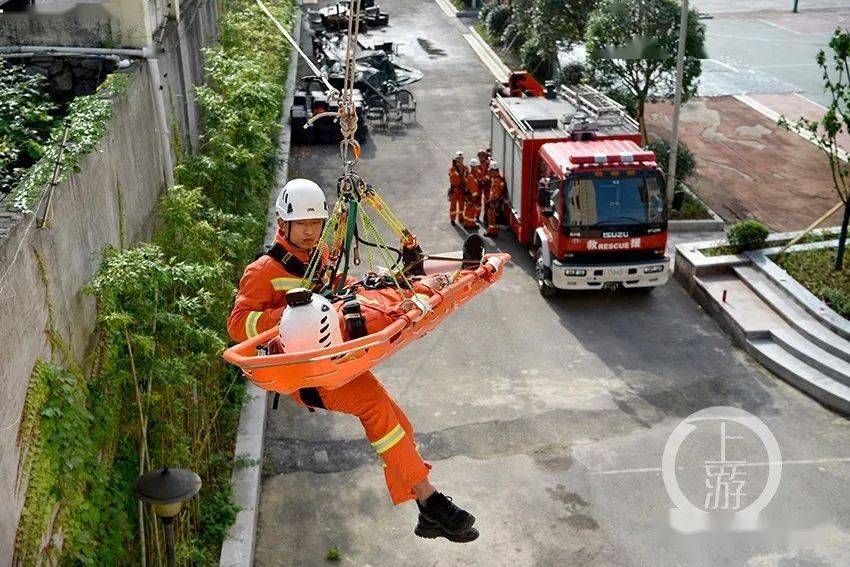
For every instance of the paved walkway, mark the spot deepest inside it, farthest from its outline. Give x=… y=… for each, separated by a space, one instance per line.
x=748 y=166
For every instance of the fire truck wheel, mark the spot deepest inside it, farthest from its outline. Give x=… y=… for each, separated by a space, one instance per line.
x=544 y=279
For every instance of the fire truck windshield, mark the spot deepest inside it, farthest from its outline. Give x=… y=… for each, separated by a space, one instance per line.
x=608 y=201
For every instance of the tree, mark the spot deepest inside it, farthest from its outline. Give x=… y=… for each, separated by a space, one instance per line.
x=836 y=119
x=631 y=47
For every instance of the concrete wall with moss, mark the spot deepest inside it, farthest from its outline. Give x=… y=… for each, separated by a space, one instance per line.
x=110 y=200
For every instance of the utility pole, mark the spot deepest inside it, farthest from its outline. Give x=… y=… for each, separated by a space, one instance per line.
x=677 y=102
x=795 y=6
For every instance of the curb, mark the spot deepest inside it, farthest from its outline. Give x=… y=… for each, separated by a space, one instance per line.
x=702 y=225
x=487 y=55
x=238 y=547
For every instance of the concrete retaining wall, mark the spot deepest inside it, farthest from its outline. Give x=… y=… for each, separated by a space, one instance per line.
x=85 y=218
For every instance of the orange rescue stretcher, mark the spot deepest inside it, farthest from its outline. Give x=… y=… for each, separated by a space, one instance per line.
x=335 y=366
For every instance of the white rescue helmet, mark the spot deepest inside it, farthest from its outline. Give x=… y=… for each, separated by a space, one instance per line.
x=309 y=322
x=301 y=199
x=459 y=155
x=473 y=162
x=494 y=165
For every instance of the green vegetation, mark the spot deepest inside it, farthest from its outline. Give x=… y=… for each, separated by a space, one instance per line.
x=747 y=235
x=157 y=392
x=333 y=554
x=815 y=269
x=631 y=47
x=87 y=118
x=836 y=120
x=819 y=236
x=692 y=209
x=26 y=117
x=533 y=31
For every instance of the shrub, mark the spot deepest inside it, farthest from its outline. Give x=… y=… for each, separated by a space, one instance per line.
x=533 y=59
x=26 y=118
x=571 y=73
x=497 y=19
x=747 y=235
x=686 y=164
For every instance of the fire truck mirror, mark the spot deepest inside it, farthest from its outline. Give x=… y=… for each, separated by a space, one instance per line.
x=544 y=196
x=678 y=200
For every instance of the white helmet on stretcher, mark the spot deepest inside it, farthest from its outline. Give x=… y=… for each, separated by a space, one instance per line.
x=301 y=199
x=309 y=322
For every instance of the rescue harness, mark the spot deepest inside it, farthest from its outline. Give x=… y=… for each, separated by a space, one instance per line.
x=350 y=225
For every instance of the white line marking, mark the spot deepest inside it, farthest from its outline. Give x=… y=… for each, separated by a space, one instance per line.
x=762 y=39
x=779 y=27
x=722 y=64
x=822 y=107
x=758 y=107
x=446 y=7
x=760 y=464
x=786 y=65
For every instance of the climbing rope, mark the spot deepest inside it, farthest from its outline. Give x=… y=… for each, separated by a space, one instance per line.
x=341 y=236
x=313 y=67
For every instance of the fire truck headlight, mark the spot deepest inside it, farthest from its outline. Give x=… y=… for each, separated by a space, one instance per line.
x=575 y=273
x=654 y=269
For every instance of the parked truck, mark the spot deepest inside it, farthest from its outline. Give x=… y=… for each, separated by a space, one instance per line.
x=581 y=190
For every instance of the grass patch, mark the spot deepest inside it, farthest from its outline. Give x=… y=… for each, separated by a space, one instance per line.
x=692 y=209
x=726 y=249
x=509 y=58
x=815 y=269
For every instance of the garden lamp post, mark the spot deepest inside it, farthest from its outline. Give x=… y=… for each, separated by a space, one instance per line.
x=167 y=489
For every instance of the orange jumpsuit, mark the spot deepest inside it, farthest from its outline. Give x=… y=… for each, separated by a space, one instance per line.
x=457 y=183
x=483 y=178
x=494 y=201
x=259 y=305
x=473 y=202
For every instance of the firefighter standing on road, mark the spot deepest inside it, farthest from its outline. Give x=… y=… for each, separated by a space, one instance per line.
x=302 y=213
x=457 y=188
x=472 y=206
x=482 y=176
x=495 y=198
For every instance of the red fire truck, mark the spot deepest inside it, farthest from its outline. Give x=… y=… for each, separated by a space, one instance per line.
x=581 y=190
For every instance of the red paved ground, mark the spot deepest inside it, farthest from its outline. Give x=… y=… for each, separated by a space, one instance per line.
x=747 y=166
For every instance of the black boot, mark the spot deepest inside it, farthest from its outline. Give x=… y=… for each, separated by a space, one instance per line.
x=432 y=530
x=473 y=249
x=440 y=509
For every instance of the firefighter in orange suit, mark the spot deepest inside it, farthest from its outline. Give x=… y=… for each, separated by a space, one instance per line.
x=482 y=176
x=302 y=212
x=484 y=158
x=457 y=188
x=495 y=197
x=472 y=206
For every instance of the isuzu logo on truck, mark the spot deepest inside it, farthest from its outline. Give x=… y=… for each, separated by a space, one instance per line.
x=615 y=235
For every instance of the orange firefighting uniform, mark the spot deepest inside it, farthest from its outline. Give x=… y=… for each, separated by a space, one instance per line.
x=472 y=206
x=259 y=306
x=494 y=201
x=457 y=191
x=482 y=176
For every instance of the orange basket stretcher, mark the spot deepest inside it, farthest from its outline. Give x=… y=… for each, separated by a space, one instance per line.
x=337 y=365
